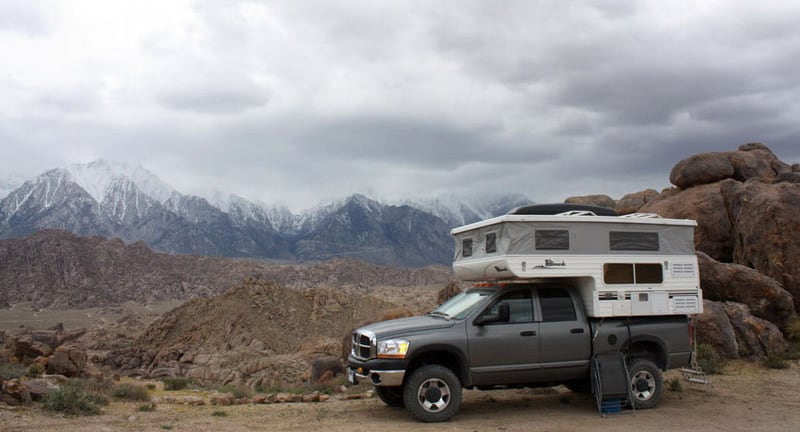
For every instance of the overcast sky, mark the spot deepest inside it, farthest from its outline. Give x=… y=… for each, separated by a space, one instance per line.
x=303 y=101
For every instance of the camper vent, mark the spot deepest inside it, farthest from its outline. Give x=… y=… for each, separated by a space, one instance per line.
x=642 y=216
x=684 y=304
x=680 y=270
x=577 y=213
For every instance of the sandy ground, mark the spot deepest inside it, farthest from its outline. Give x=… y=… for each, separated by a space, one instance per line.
x=23 y=316
x=746 y=398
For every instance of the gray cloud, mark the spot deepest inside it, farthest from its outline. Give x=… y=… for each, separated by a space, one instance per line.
x=300 y=102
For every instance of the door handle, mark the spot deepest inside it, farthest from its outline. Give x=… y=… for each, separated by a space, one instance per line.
x=528 y=333
x=576 y=330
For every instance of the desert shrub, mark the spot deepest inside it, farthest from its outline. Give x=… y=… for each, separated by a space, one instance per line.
x=147 y=407
x=775 y=361
x=237 y=392
x=96 y=387
x=793 y=330
x=709 y=360
x=12 y=370
x=73 y=398
x=151 y=386
x=176 y=383
x=130 y=392
x=674 y=385
x=34 y=370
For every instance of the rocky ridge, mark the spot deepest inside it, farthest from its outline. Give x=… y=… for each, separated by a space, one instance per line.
x=256 y=334
x=59 y=270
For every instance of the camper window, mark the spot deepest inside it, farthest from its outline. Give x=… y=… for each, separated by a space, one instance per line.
x=552 y=239
x=648 y=273
x=466 y=247
x=491 y=242
x=616 y=273
x=633 y=241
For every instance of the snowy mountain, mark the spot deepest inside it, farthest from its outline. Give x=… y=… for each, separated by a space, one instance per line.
x=457 y=211
x=101 y=177
x=113 y=199
x=8 y=184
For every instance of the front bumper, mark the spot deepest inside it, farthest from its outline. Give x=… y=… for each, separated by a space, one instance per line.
x=388 y=378
x=378 y=372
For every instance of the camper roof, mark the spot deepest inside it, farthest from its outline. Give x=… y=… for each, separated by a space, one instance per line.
x=571 y=213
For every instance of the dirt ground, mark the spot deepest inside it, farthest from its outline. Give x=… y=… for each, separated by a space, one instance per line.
x=747 y=397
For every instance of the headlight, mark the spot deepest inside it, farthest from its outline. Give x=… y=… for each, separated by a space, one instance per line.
x=394 y=348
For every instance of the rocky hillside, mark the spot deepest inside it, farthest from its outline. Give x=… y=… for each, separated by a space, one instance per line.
x=256 y=334
x=57 y=269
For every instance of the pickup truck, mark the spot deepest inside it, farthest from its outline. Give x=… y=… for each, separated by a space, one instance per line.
x=511 y=335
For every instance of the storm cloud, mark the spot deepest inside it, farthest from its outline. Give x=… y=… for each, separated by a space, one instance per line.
x=299 y=102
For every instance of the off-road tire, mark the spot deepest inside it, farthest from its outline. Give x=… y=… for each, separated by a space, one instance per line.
x=391 y=396
x=647 y=383
x=432 y=393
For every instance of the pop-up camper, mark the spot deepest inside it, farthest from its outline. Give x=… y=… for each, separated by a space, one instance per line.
x=631 y=265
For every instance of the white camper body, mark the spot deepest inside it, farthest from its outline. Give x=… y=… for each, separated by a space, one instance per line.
x=632 y=265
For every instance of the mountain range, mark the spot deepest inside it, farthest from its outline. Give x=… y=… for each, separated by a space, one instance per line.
x=113 y=199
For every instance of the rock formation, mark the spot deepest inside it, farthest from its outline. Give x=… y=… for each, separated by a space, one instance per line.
x=746 y=204
x=765 y=296
x=734 y=332
x=597 y=200
x=766 y=227
x=255 y=334
x=631 y=203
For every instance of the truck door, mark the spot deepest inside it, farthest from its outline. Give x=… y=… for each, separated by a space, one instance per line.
x=505 y=352
x=564 y=339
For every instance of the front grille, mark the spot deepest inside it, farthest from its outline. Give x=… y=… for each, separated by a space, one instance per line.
x=363 y=346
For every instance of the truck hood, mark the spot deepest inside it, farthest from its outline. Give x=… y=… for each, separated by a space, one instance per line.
x=404 y=326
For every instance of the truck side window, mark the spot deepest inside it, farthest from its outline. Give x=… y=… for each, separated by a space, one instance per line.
x=556 y=305
x=520 y=306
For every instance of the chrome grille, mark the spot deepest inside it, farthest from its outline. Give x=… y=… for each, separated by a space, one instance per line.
x=363 y=345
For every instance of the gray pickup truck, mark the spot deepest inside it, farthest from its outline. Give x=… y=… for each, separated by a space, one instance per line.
x=516 y=335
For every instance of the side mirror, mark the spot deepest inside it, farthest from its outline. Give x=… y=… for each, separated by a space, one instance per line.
x=503 y=316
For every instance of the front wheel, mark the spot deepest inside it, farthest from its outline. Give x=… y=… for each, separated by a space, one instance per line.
x=391 y=396
x=647 y=383
x=432 y=393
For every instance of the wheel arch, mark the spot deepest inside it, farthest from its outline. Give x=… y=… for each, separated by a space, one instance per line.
x=443 y=355
x=648 y=347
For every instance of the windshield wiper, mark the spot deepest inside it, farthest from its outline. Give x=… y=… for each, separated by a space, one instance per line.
x=439 y=314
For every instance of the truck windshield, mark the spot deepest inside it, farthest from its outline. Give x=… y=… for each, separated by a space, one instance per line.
x=460 y=306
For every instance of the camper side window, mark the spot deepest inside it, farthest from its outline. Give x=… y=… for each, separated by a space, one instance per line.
x=616 y=273
x=466 y=247
x=552 y=239
x=491 y=242
x=633 y=241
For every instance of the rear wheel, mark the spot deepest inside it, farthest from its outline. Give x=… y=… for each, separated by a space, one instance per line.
x=391 y=396
x=647 y=383
x=432 y=393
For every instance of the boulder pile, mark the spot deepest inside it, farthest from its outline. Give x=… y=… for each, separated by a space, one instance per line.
x=747 y=207
x=256 y=334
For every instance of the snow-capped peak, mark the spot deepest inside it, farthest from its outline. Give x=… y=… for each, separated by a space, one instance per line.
x=8 y=183
x=98 y=178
